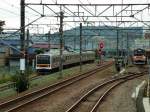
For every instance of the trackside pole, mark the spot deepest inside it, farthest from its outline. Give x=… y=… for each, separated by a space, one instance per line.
x=148 y=87
x=81 y=47
x=61 y=44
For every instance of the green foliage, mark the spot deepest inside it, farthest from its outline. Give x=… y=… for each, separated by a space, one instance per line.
x=96 y=54
x=38 y=51
x=22 y=81
x=5 y=78
x=2 y=23
x=29 y=70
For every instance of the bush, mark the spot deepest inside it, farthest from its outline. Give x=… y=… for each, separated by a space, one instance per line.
x=5 y=78
x=22 y=81
x=38 y=51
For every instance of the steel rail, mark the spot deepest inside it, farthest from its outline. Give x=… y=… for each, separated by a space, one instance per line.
x=12 y=84
x=110 y=81
x=16 y=103
x=100 y=100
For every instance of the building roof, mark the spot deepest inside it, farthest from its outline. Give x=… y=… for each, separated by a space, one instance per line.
x=45 y=45
x=10 y=42
x=14 y=42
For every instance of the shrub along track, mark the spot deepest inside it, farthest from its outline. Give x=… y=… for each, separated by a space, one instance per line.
x=18 y=102
x=92 y=99
x=12 y=84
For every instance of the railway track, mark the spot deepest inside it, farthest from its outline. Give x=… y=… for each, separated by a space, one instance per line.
x=12 y=84
x=18 y=102
x=7 y=86
x=92 y=99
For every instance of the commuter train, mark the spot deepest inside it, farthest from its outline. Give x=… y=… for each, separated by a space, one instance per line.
x=48 y=61
x=139 y=56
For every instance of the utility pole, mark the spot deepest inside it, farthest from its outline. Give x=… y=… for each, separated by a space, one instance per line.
x=127 y=48
x=27 y=54
x=22 y=82
x=80 y=46
x=117 y=64
x=22 y=37
x=85 y=43
x=149 y=43
x=74 y=43
x=117 y=43
x=122 y=45
x=92 y=45
x=61 y=43
x=49 y=40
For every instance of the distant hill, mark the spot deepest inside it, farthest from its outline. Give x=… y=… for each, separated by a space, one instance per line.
x=91 y=36
x=91 y=33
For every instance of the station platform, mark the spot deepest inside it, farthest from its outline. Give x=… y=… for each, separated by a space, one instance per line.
x=146 y=104
x=142 y=103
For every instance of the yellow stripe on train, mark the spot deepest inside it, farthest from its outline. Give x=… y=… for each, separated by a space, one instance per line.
x=43 y=65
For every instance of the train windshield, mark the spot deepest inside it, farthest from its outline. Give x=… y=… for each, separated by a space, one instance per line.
x=43 y=59
x=139 y=52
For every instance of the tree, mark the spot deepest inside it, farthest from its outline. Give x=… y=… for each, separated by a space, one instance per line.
x=38 y=51
x=2 y=23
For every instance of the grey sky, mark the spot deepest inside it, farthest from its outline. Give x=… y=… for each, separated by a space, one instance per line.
x=10 y=12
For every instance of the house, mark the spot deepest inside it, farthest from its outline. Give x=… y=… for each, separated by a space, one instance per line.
x=43 y=46
x=10 y=52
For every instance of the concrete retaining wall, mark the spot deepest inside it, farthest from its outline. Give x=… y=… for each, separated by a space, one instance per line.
x=139 y=100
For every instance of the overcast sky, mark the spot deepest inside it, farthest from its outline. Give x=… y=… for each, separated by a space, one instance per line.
x=10 y=9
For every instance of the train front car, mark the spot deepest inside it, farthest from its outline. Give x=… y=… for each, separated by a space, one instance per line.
x=43 y=63
x=50 y=61
x=139 y=56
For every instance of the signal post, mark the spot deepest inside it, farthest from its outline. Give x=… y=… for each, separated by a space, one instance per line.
x=147 y=36
x=100 y=47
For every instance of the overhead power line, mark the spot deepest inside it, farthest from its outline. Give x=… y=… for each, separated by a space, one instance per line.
x=16 y=7
x=11 y=12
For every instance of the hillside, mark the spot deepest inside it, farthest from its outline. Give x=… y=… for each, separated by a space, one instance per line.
x=94 y=34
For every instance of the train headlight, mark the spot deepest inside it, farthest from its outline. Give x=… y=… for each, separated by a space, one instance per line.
x=144 y=57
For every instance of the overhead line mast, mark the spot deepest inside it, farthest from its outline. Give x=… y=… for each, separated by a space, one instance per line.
x=22 y=36
x=61 y=43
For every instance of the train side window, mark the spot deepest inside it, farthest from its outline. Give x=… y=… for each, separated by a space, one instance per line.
x=57 y=58
x=54 y=59
x=66 y=57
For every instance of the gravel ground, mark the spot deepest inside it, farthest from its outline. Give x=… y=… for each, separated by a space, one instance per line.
x=120 y=99
x=45 y=80
x=63 y=99
x=90 y=101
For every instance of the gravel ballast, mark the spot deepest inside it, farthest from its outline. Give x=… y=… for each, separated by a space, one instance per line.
x=63 y=99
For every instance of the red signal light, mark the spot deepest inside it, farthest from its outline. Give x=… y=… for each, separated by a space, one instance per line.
x=101 y=45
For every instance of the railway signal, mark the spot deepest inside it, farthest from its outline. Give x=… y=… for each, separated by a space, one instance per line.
x=101 y=45
x=100 y=51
